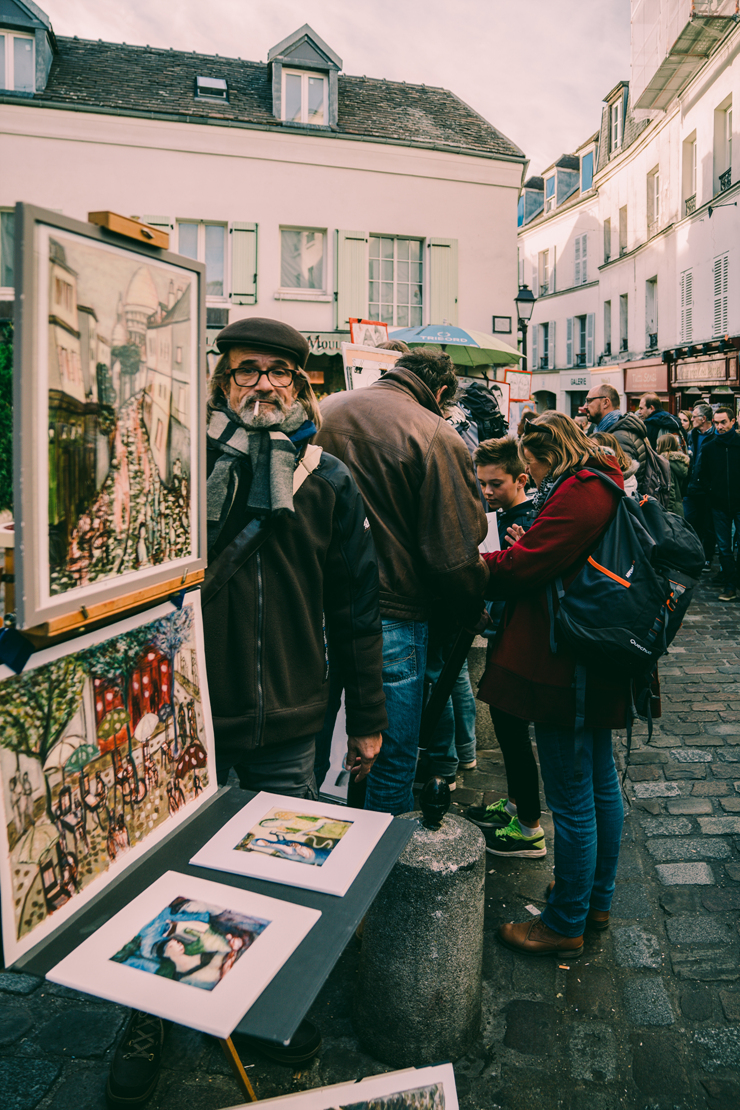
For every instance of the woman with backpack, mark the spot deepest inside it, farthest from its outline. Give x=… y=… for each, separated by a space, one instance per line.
x=669 y=447
x=527 y=679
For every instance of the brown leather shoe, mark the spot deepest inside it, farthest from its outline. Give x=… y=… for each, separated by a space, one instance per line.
x=595 y=919
x=536 y=939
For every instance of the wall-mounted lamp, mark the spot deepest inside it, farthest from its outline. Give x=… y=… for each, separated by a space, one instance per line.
x=732 y=204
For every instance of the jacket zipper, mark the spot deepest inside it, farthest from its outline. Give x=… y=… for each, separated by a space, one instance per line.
x=258 y=726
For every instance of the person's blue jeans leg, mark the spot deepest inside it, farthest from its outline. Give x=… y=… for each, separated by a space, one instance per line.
x=389 y=784
x=723 y=529
x=588 y=817
x=441 y=751
x=463 y=706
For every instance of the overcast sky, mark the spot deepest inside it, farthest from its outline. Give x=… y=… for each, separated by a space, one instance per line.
x=537 y=69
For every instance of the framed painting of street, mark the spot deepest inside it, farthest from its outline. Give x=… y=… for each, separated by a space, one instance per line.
x=430 y=1088
x=106 y=745
x=314 y=845
x=189 y=950
x=108 y=411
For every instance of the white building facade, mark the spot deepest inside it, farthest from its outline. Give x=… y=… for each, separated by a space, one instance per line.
x=662 y=224
x=311 y=196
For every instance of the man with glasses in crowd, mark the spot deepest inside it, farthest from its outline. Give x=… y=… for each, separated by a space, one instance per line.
x=696 y=507
x=291 y=561
x=719 y=478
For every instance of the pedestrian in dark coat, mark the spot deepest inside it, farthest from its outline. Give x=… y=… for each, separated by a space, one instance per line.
x=719 y=479
x=526 y=679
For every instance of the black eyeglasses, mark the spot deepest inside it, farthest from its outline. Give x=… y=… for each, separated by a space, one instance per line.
x=276 y=375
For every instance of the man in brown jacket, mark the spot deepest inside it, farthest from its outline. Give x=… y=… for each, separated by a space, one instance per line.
x=416 y=479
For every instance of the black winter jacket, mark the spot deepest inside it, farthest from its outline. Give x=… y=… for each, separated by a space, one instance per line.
x=719 y=471
x=266 y=629
x=662 y=423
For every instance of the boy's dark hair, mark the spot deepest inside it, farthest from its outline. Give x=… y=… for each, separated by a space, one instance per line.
x=436 y=370
x=500 y=452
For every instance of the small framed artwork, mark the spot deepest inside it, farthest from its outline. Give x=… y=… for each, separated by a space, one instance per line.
x=368 y=333
x=502 y=325
x=314 y=845
x=364 y=364
x=109 y=411
x=413 y=1089
x=188 y=950
x=521 y=384
x=106 y=746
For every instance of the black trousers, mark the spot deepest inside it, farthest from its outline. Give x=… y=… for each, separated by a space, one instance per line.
x=522 y=777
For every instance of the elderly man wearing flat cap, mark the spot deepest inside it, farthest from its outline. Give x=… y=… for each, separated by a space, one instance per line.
x=291 y=562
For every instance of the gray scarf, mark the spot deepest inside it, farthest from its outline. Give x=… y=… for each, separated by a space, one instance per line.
x=272 y=457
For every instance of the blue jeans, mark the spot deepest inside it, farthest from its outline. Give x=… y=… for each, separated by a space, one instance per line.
x=463 y=706
x=723 y=522
x=454 y=736
x=588 y=817
x=404 y=657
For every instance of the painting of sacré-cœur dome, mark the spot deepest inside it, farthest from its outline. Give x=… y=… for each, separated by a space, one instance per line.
x=120 y=364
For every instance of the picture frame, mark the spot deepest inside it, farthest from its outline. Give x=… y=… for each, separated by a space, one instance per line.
x=109 y=418
x=520 y=382
x=367 y=332
x=107 y=746
x=363 y=364
x=188 y=950
x=501 y=325
x=295 y=842
x=431 y=1088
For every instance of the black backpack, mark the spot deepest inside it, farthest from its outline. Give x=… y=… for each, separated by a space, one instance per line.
x=625 y=606
x=655 y=477
x=482 y=407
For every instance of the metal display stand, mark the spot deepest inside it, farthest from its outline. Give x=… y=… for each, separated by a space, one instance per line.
x=280 y=1009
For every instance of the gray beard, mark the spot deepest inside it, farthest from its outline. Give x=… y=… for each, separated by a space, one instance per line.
x=269 y=417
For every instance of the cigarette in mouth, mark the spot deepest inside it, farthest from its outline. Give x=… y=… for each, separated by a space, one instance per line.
x=256 y=407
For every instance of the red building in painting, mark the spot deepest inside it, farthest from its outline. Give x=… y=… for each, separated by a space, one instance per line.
x=148 y=693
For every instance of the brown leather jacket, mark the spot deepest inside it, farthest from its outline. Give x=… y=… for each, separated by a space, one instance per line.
x=416 y=479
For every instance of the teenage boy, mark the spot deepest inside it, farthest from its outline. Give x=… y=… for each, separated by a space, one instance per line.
x=511 y=825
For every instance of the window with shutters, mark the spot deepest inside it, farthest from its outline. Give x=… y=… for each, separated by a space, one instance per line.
x=395 y=292
x=7 y=249
x=607 y=327
x=687 y=306
x=302 y=253
x=615 y=137
x=544 y=272
x=689 y=188
x=607 y=240
x=723 y=146
x=580 y=336
x=551 y=343
x=581 y=260
x=623 y=230
x=721 y=273
x=587 y=171
x=17 y=62
x=653 y=201
x=205 y=242
x=549 y=193
x=651 y=314
x=624 y=322
x=544 y=363
x=569 y=341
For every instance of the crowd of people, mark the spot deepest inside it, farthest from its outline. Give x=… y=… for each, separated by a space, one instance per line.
x=344 y=553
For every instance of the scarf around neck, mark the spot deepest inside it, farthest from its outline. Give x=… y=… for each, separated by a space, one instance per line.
x=272 y=455
x=543 y=493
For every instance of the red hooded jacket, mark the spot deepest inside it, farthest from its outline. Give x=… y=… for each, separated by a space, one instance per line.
x=523 y=676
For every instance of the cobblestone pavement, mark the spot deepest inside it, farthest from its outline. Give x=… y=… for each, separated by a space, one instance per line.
x=648 y=1018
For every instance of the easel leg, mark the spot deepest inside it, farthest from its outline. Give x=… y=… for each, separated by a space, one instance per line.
x=237 y=1067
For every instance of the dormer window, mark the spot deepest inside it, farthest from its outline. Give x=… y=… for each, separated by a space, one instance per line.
x=616 y=125
x=304 y=97
x=587 y=171
x=17 y=62
x=212 y=88
x=549 y=193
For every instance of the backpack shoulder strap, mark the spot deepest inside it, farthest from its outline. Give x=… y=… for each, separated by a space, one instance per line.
x=251 y=538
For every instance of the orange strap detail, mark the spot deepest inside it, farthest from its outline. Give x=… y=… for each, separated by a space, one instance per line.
x=610 y=573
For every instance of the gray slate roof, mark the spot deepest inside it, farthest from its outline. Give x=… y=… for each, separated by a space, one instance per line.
x=138 y=80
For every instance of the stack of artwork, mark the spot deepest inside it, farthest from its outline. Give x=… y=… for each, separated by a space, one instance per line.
x=314 y=845
x=413 y=1089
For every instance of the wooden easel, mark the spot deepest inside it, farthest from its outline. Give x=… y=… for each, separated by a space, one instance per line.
x=237 y=1067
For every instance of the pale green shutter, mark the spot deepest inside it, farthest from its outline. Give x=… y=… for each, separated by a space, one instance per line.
x=352 y=277
x=243 y=263
x=443 y=281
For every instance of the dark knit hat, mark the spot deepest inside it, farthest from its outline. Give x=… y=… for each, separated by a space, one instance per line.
x=265 y=335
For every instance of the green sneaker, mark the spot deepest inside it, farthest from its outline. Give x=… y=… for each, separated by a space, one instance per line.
x=494 y=816
x=511 y=841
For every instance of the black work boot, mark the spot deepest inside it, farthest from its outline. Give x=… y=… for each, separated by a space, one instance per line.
x=135 y=1069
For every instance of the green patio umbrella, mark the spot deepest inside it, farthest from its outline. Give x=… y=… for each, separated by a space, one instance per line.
x=465 y=346
x=81 y=758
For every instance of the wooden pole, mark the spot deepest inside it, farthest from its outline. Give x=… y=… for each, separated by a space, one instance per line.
x=237 y=1067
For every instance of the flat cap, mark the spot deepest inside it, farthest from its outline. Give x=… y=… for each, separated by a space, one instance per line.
x=265 y=335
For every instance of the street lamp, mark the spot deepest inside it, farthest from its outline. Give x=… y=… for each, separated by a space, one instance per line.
x=524 y=301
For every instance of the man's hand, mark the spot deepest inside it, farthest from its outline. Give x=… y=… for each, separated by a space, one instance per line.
x=362 y=751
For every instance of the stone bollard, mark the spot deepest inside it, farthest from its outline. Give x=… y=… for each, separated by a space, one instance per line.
x=419 y=995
